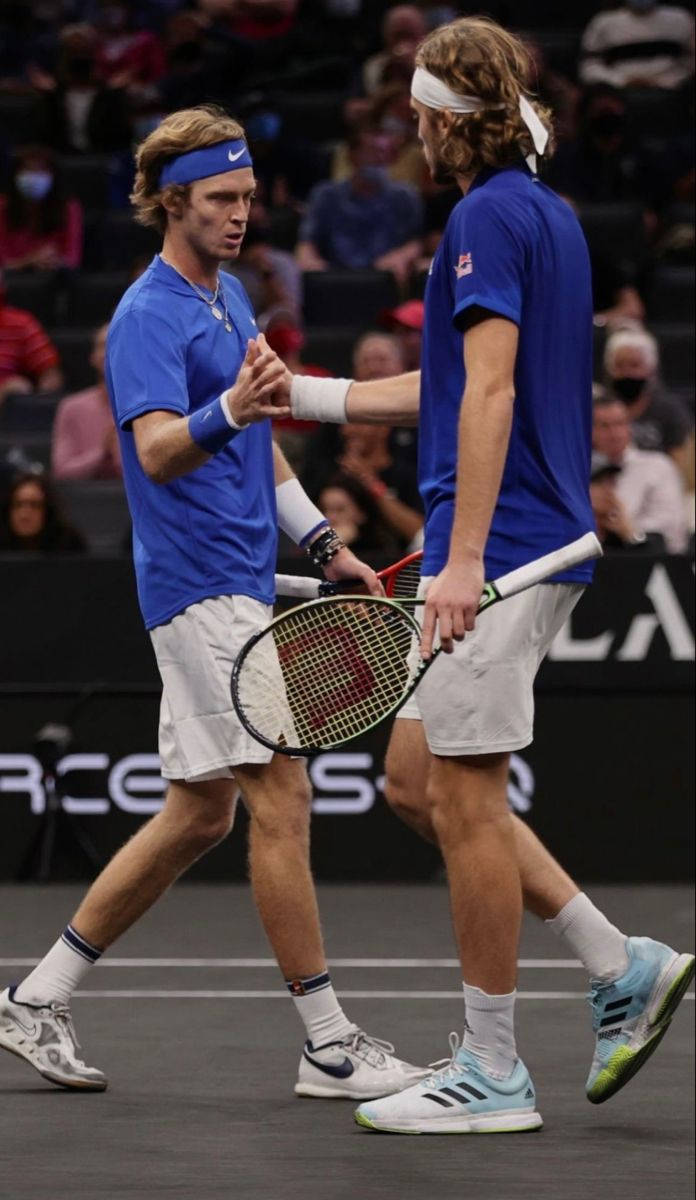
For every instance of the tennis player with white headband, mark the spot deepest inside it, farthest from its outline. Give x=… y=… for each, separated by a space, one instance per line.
x=504 y=456
x=191 y=383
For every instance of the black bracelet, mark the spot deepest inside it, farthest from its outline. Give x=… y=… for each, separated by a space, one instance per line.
x=324 y=547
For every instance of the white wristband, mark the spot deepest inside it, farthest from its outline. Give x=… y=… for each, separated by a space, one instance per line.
x=297 y=515
x=313 y=399
x=227 y=412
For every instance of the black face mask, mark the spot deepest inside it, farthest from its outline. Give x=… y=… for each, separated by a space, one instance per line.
x=627 y=388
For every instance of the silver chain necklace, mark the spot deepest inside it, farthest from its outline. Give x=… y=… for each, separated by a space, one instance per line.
x=215 y=310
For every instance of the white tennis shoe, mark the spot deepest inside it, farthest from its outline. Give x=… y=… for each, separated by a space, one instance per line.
x=358 y=1067
x=44 y=1035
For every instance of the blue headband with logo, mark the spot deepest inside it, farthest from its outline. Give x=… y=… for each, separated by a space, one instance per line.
x=211 y=160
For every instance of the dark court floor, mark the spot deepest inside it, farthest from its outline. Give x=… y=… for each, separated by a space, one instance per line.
x=188 y=1017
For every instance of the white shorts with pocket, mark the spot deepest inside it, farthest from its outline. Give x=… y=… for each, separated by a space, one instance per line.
x=200 y=734
x=480 y=698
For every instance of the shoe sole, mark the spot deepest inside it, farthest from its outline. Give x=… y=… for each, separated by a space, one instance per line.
x=319 y=1091
x=527 y=1122
x=76 y=1085
x=625 y=1062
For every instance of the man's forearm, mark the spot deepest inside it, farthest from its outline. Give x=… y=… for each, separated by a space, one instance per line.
x=392 y=401
x=485 y=422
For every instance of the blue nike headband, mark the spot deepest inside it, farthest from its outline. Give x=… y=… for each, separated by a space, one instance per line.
x=211 y=160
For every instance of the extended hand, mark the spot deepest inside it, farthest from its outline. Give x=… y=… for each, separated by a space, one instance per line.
x=451 y=605
x=252 y=396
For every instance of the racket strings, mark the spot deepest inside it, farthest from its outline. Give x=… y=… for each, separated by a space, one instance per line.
x=403 y=585
x=340 y=668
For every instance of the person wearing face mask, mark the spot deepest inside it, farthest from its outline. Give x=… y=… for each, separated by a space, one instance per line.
x=363 y=221
x=641 y=44
x=660 y=421
x=40 y=227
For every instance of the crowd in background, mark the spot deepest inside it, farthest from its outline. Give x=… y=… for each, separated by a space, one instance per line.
x=340 y=237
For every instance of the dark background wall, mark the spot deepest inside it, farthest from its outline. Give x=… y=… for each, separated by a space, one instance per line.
x=608 y=783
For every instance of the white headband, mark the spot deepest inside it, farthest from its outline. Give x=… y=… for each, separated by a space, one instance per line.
x=433 y=93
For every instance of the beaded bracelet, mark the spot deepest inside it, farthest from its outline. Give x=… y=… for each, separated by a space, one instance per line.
x=324 y=547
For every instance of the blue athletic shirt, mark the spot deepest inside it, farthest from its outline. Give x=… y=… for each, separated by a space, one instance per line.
x=213 y=531
x=513 y=247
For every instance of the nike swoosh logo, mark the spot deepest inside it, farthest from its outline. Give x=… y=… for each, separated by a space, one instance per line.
x=233 y=157
x=30 y=1030
x=338 y=1070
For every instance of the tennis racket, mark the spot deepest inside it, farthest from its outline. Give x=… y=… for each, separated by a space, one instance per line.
x=399 y=581
x=328 y=671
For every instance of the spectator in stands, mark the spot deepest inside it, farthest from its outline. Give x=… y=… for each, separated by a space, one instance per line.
x=405 y=322
x=640 y=44
x=615 y=528
x=353 y=512
x=29 y=361
x=271 y=277
x=130 y=57
x=402 y=29
x=389 y=111
x=364 y=221
x=553 y=89
x=85 y=442
x=600 y=165
x=81 y=112
x=649 y=485
x=659 y=420
x=40 y=226
x=31 y=520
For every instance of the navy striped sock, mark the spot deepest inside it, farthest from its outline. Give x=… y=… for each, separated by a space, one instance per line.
x=319 y=1010
x=305 y=987
x=80 y=945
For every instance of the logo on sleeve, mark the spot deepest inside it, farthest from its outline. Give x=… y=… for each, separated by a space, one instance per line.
x=464 y=267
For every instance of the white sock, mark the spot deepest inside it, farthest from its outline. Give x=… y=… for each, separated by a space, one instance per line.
x=58 y=974
x=323 y=1017
x=599 y=945
x=489 y=1030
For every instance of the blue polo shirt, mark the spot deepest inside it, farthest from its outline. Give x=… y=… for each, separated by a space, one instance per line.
x=514 y=248
x=213 y=531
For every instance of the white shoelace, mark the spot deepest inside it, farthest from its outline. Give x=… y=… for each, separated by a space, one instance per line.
x=446 y=1068
x=372 y=1050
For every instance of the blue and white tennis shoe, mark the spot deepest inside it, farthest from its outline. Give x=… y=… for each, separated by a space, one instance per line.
x=358 y=1067
x=632 y=1014
x=457 y=1097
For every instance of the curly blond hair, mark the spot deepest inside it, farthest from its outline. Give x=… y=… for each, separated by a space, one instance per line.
x=475 y=56
x=188 y=129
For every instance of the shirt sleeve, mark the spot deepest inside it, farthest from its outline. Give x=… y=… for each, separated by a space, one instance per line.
x=146 y=365
x=488 y=263
x=38 y=352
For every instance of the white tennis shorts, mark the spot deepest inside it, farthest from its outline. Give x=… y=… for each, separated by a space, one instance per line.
x=200 y=734
x=480 y=698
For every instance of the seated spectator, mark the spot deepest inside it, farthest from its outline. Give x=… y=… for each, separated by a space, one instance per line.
x=31 y=520
x=649 y=485
x=81 y=112
x=640 y=44
x=126 y=55
x=405 y=322
x=600 y=165
x=659 y=420
x=615 y=528
x=85 y=442
x=364 y=221
x=29 y=361
x=403 y=29
x=271 y=277
x=389 y=111
x=40 y=226
x=355 y=516
x=553 y=89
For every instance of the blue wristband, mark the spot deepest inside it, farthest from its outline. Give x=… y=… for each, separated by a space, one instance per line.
x=209 y=428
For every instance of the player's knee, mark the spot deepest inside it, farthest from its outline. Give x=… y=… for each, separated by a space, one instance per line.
x=408 y=802
x=205 y=828
x=283 y=816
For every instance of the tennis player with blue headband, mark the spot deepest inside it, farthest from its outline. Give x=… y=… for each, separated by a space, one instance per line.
x=192 y=385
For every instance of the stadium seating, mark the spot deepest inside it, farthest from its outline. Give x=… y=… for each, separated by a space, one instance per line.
x=670 y=294
x=35 y=292
x=350 y=298
x=28 y=414
x=87 y=177
x=330 y=348
x=677 y=354
x=98 y=508
x=617 y=228
x=94 y=296
x=113 y=240
x=74 y=347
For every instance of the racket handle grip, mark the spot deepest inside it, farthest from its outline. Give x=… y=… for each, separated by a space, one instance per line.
x=575 y=552
x=304 y=587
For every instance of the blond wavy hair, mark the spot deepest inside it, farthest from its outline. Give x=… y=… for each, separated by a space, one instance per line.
x=188 y=129
x=475 y=56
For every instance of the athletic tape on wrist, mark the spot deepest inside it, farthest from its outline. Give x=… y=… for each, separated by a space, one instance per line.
x=298 y=517
x=213 y=426
x=313 y=399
